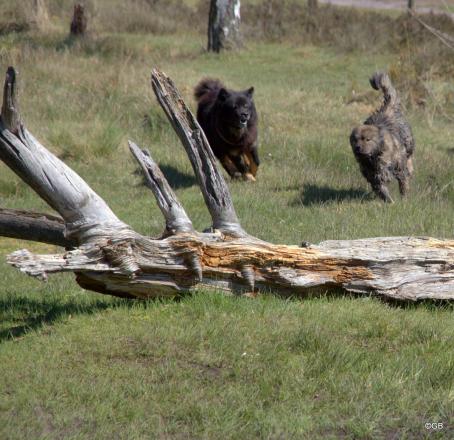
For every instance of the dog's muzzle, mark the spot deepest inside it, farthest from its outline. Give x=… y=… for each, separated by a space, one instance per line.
x=244 y=120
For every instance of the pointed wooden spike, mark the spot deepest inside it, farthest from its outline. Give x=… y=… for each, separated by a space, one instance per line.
x=10 y=110
x=177 y=221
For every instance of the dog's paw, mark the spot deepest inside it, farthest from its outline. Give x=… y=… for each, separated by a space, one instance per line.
x=248 y=177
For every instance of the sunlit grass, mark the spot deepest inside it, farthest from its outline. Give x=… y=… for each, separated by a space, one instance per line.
x=75 y=364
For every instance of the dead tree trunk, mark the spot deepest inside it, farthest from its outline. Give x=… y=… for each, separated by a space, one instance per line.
x=224 y=25
x=79 y=21
x=111 y=258
x=34 y=226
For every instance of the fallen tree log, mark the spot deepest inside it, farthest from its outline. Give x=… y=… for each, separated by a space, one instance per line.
x=34 y=226
x=112 y=258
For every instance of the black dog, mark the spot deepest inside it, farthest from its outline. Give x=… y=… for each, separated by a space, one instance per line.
x=229 y=120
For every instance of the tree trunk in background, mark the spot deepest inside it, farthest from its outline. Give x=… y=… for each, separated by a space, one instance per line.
x=410 y=4
x=312 y=5
x=224 y=25
x=79 y=21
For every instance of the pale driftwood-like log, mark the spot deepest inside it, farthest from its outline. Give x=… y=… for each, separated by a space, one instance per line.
x=176 y=218
x=401 y=268
x=65 y=191
x=118 y=261
x=212 y=184
x=34 y=226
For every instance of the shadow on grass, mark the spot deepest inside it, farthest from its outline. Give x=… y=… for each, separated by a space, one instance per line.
x=337 y=293
x=176 y=178
x=28 y=314
x=314 y=195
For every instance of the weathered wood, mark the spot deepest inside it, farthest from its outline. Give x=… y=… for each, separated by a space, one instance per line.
x=118 y=261
x=224 y=25
x=176 y=218
x=64 y=190
x=211 y=182
x=34 y=226
x=10 y=111
x=401 y=268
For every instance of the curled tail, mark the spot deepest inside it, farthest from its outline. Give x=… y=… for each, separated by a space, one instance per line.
x=381 y=81
x=205 y=86
x=390 y=114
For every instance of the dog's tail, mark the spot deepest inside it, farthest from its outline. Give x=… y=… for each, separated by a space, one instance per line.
x=206 y=85
x=381 y=81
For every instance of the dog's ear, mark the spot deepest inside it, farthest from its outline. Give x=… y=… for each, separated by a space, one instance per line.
x=250 y=92
x=223 y=94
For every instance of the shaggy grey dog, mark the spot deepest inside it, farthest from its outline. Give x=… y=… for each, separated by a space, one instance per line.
x=384 y=144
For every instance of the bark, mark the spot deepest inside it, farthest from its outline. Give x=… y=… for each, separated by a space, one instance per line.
x=112 y=258
x=224 y=25
x=176 y=218
x=34 y=226
x=82 y=210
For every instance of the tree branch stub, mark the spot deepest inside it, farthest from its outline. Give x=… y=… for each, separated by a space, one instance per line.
x=10 y=110
x=177 y=221
x=27 y=225
x=211 y=182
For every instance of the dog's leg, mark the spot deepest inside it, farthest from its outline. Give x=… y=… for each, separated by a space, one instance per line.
x=240 y=163
x=410 y=166
x=382 y=191
x=243 y=163
x=404 y=186
x=230 y=167
x=253 y=159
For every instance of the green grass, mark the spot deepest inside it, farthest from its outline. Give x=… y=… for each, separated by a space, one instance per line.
x=75 y=364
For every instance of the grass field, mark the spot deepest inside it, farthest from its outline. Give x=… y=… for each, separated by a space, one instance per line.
x=75 y=364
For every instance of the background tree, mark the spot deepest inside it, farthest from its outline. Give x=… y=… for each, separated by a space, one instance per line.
x=224 y=25
x=411 y=4
x=79 y=21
